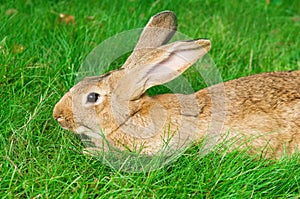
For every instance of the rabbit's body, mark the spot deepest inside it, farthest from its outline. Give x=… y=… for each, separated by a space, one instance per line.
x=261 y=111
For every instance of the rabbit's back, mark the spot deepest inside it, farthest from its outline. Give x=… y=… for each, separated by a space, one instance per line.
x=264 y=108
x=274 y=94
x=264 y=92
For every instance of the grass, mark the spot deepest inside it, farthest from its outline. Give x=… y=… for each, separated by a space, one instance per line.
x=39 y=58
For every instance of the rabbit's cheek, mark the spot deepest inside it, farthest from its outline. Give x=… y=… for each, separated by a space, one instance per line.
x=106 y=117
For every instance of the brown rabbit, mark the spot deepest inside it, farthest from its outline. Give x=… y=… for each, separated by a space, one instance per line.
x=260 y=111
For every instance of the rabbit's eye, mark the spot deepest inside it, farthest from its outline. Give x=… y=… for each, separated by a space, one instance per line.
x=93 y=97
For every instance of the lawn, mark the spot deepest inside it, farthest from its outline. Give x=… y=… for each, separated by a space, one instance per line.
x=40 y=54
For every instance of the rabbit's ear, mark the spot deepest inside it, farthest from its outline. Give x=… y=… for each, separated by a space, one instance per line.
x=159 y=30
x=160 y=66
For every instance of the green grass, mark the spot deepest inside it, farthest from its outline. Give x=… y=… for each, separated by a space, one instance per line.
x=38 y=60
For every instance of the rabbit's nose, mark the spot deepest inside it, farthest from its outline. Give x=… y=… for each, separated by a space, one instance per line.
x=59 y=119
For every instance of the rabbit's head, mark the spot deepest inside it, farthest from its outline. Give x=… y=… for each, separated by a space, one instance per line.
x=100 y=105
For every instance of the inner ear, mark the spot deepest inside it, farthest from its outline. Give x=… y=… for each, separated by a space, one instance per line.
x=160 y=66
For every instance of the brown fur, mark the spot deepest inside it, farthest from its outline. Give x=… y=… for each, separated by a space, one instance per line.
x=260 y=111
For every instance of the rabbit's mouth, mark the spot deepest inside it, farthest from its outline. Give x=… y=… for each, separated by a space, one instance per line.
x=62 y=113
x=65 y=123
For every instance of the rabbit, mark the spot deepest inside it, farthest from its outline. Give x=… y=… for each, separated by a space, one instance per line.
x=261 y=111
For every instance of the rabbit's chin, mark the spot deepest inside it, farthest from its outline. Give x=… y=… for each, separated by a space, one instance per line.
x=91 y=133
